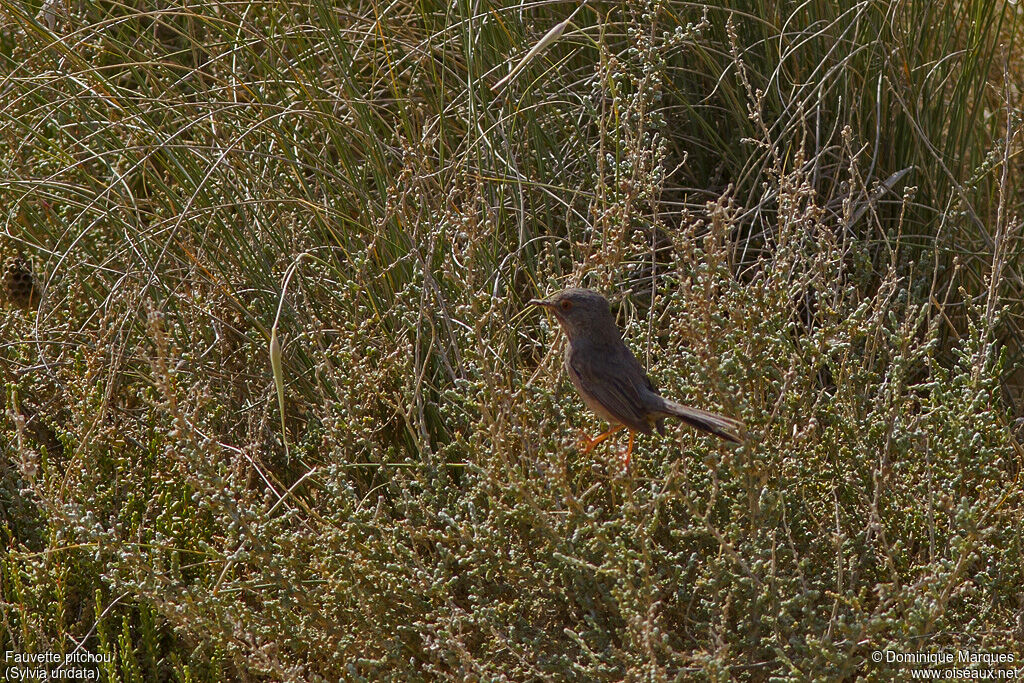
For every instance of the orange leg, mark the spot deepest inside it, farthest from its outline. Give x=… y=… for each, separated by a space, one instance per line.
x=588 y=443
x=629 y=449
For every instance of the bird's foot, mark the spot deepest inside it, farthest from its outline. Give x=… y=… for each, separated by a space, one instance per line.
x=584 y=443
x=587 y=444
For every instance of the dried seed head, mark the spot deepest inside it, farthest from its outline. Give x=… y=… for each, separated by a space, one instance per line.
x=19 y=284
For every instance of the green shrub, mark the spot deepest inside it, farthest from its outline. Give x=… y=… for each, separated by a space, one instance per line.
x=189 y=178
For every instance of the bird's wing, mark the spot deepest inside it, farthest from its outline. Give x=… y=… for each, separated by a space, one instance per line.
x=614 y=378
x=640 y=369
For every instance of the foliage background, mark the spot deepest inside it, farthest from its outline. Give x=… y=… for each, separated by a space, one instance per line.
x=807 y=215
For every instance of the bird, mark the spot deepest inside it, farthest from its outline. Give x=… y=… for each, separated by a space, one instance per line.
x=611 y=380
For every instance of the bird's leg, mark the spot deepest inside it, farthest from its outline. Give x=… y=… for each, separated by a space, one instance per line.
x=588 y=443
x=629 y=449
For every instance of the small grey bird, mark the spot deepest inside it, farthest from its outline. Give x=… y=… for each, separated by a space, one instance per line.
x=610 y=378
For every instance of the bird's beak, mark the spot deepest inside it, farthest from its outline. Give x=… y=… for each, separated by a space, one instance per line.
x=542 y=302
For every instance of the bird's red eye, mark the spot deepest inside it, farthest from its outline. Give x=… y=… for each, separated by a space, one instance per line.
x=566 y=304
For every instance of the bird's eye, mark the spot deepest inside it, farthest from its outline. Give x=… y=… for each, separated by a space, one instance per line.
x=566 y=304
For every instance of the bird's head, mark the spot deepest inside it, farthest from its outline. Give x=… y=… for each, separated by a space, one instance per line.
x=581 y=312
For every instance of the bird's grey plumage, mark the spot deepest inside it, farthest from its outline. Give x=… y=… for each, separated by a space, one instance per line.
x=616 y=381
x=610 y=378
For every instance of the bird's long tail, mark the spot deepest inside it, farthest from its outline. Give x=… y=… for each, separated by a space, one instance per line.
x=719 y=425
